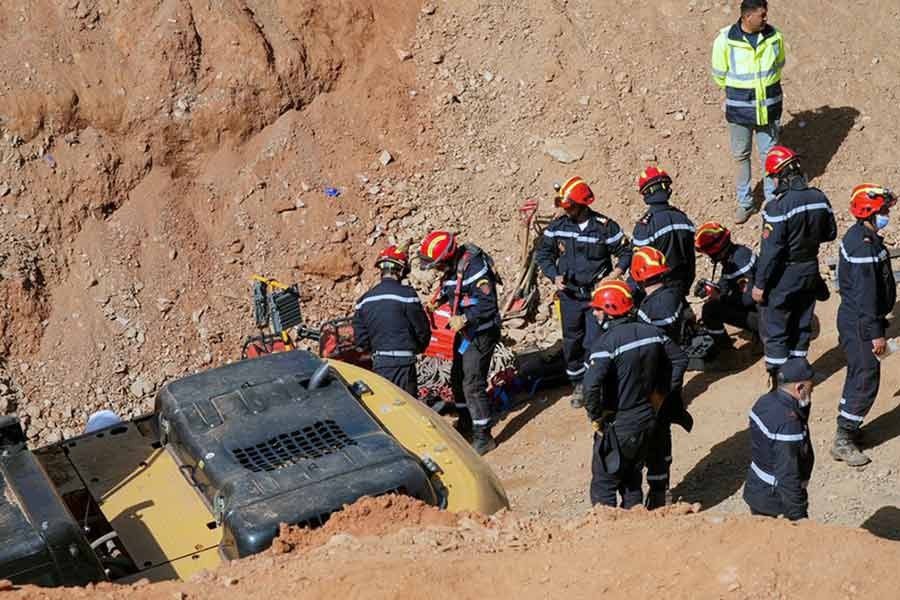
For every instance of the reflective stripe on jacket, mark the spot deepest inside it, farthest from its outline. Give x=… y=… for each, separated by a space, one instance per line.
x=751 y=77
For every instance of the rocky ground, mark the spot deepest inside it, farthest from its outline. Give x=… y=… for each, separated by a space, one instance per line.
x=145 y=178
x=605 y=553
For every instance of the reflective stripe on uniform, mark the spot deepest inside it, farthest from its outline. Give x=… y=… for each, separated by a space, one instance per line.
x=575 y=373
x=766 y=477
x=389 y=297
x=629 y=346
x=847 y=415
x=573 y=235
x=796 y=211
x=883 y=255
x=753 y=103
x=778 y=437
x=481 y=422
x=664 y=231
x=799 y=353
x=742 y=270
x=395 y=353
x=469 y=280
x=615 y=238
x=659 y=322
x=776 y=361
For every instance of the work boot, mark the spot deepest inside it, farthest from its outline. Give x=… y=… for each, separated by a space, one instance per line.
x=742 y=215
x=658 y=499
x=464 y=423
x=576 y=398
x=845 y=450
x=482 y=440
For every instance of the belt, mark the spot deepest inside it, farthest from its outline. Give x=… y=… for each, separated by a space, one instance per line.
x=395 y=353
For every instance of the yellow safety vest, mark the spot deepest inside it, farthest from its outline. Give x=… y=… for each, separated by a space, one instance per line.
x=751 y=77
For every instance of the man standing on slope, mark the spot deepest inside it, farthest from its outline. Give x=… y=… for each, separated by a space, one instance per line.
x=868 y=294
x=576 y=252
x=747 y=60
x=391 y=323
x=630 y=364
x=667 y=229
x=795 y=223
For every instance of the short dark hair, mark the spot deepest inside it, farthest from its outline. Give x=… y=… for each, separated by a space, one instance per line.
x=748 y=6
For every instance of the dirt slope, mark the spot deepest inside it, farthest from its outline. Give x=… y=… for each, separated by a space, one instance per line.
x=144 y=178
x=605 y=553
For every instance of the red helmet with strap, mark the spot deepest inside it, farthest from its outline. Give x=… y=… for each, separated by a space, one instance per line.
x=652 y=176
x=392 y=257
x=712 y=238
x=868 y=199
x=778 y=158
x=574 y=191
x=648 y=263
x=614 y=298
x=437 y=248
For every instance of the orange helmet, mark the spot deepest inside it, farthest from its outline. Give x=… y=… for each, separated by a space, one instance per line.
x=392 y=257
x=437 y=248
x=647 y=264
x=653 y=176
x=868 y=199
x=778 y=158
x=574 y=191
x=712 y=238
x=614 y=298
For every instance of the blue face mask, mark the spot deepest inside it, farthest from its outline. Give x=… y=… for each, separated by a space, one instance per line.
x=881 y=221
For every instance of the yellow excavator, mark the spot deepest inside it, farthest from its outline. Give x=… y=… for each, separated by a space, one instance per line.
x=226 y=457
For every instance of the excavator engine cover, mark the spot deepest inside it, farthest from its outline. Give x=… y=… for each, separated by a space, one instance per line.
x=266 y=443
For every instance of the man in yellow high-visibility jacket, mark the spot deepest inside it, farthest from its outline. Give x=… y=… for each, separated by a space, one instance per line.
x=747 y=59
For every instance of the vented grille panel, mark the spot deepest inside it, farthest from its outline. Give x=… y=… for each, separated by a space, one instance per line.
x=315 y=441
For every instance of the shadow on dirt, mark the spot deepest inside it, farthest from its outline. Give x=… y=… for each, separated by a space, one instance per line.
x=818 y=135
x=728 y=363
x=528 y=410
x=885 y=523
x=884 y=428
x=718 y=475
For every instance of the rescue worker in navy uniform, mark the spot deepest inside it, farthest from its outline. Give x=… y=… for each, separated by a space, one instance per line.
x=667 y=229
x=781 y=451
x=469 y=286
x=575 y=253
x=788 y=283
x=868 y=294
x=630 y=364
x=391 y=323
x=663 y=307
x=730 y=300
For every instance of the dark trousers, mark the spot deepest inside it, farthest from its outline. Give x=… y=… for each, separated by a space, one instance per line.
x=469 y=374
x=627 y=478
x=659 y=457
x=401 y=373
x=579 y=329
x=717 y=313
x=863 y=376
x=789 y=310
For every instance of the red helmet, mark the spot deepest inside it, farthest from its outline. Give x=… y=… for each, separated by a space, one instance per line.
x=436 y=248
x=868 y=199
x=778 y=158
x=647 y=264
x=652 y=176
x=392 y=257
x=574 y=191
x=712 y=238
x=614 y=298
